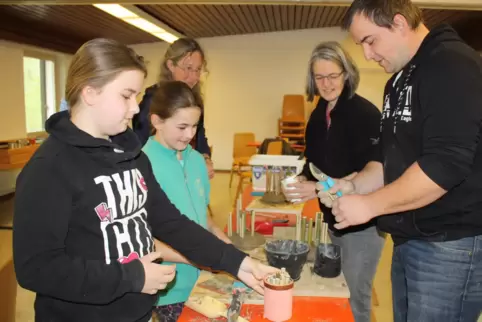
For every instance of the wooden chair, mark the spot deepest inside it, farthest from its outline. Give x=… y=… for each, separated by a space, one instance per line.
x=293 y=108
x=241 y=153
x=275 y=148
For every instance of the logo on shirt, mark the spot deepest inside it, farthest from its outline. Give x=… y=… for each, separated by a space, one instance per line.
x=402 y=111
x=123 y=217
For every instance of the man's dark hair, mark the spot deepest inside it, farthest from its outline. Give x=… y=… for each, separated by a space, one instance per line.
x=382 y=12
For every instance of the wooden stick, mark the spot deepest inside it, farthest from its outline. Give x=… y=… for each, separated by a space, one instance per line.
x=238 y=217
x=318 y=228
x=230 y=224
x=298 y=227
x=310 y=231
x=253 y=218
x=243 y=223
x=325 y=233
x=303 y=229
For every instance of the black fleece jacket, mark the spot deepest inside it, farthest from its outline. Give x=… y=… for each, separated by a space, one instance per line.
x=346 y=147
x=433 y=115
x=85 y=210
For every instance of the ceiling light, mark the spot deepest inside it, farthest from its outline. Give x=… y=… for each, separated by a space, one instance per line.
x=116 y=10
x=170 y=38
x=139 y=19
x=145 y=25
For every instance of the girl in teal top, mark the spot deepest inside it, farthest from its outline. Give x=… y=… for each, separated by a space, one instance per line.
x=182 y=173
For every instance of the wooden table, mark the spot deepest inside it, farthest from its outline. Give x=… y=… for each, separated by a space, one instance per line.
x=256 y=206
x=334 y=307
x=328 y=302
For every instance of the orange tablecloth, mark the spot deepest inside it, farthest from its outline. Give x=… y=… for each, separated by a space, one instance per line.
x=305 y=309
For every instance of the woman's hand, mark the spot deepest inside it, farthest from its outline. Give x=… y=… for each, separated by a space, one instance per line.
x=300 y=191
x=210 y=166
x=156 y=276
x=252 y=273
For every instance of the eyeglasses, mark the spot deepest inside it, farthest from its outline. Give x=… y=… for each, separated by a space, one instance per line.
x=331 y=77
x=190 y=70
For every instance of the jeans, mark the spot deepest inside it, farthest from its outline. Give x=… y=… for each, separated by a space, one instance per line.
x=360 y=253
x=169 y=312
x=437 y=281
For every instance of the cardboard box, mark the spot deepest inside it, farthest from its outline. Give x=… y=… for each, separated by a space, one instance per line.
x=261 y=162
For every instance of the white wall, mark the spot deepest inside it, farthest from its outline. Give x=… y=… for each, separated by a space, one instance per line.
x=12 y=109
x=248 y=76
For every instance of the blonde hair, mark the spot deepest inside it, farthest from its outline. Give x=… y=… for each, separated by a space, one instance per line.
x=98 y=62
x=176 y=52
x=332 y=51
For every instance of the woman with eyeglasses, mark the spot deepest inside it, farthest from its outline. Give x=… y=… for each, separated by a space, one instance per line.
x=184 y=61
x=341 y=138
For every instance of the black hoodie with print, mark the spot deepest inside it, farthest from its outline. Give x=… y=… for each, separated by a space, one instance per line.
x=432 y=115
x=85 y=210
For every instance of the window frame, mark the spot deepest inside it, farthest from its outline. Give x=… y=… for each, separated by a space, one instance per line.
x=43 y=57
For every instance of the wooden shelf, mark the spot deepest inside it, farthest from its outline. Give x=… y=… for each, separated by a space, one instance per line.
x=16 y=158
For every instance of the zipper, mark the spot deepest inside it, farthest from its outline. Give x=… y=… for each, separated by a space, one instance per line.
x=328 y=126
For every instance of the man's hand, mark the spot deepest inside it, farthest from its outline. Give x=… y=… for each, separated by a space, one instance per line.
x=253 y=272
x=328 y=196
x=156 y=276
x=352 y=210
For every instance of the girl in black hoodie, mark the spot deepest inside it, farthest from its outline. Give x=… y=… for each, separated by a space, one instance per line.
x=87 y=205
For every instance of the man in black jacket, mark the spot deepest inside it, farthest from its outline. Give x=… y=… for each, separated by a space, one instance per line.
x=427 y=188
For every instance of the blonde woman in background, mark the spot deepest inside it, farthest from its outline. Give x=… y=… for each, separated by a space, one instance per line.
x=184 y=61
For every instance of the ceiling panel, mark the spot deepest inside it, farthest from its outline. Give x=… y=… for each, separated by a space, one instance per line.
x=65 y=28
x=66 y=23
x=223 y=20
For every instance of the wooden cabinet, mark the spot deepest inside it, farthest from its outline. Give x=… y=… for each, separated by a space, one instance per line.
x=15 y=158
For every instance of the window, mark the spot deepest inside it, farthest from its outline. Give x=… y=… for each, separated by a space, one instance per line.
x=39 y=89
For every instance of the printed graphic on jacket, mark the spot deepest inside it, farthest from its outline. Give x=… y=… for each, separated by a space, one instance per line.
x=123 y=217
x=403 y=109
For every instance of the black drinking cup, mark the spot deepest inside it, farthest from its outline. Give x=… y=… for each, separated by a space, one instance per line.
x=327 y=260
x=290 y=254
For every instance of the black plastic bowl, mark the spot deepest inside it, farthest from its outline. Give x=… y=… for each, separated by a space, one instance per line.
x=290 y=254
